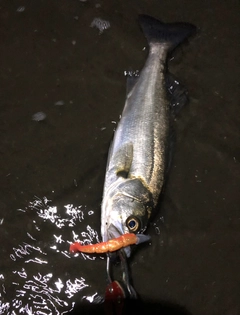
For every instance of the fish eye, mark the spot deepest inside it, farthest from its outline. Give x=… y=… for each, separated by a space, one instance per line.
x=133 y=223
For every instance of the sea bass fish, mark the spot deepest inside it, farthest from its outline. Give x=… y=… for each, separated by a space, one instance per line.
x=138 y=155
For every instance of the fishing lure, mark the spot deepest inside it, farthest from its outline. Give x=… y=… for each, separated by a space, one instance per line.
x=109 y=246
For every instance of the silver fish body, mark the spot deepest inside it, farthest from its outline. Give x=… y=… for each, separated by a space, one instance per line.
x=138 y=155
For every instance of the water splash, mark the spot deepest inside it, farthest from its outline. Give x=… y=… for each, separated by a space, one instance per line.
x=36 y=287
x=50 y=213
x=100 y=24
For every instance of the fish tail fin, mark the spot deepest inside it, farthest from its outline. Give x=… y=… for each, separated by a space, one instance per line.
x=171 y=34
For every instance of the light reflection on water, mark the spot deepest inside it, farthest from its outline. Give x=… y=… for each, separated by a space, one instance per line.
x=37 y=287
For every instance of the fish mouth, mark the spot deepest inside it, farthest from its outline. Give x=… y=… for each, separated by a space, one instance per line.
x=117 y=231
x=114 y=231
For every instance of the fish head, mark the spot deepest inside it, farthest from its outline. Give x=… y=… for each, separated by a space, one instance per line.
x=126 y=209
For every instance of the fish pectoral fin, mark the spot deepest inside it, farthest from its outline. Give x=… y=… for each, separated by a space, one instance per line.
x=122 y=160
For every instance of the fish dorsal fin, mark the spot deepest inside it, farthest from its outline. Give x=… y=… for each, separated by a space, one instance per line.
x=122 y=160
x=132 y=78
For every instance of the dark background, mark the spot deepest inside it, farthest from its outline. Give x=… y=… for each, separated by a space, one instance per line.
x=49 y=53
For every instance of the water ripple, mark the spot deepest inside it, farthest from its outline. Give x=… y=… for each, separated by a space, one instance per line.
x=34 y=276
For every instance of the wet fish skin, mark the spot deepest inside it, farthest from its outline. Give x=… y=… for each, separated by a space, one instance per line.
x=138 y=154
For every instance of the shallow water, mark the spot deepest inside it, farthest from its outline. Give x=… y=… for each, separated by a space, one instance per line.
x=52 y=168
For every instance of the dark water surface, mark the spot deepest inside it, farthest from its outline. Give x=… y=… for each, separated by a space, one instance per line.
x=52 y=171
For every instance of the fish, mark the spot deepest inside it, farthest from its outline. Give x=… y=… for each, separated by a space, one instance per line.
x=138 y=155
